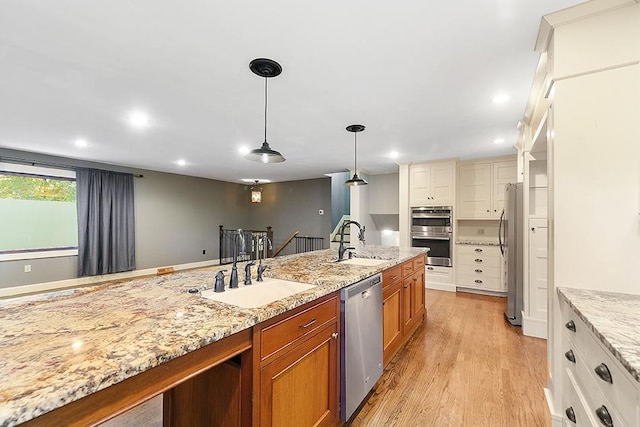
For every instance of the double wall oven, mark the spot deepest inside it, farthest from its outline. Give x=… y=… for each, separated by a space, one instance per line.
x=431 y=228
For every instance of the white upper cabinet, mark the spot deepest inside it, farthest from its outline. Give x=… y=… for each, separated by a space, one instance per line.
x=481 y=188
x=432 y=184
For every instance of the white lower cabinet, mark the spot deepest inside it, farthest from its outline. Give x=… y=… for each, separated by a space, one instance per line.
x=479 y=267
x=597 y=390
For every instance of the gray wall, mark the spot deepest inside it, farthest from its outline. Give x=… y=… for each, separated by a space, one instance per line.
x=293 y=205
x=340 y=197
x=177 y=217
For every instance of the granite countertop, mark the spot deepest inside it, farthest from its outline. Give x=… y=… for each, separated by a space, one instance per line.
x=58 y=347
x=476 y=242
x=613 y=318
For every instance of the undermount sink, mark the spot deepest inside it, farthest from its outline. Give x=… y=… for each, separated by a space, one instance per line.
x=369 y=262
x=258 y=293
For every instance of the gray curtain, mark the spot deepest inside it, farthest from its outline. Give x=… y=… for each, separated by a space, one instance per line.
x=106 y=229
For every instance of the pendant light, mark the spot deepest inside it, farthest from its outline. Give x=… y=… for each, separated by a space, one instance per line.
x=356 y=180
x=266 y=68
x=256 y=193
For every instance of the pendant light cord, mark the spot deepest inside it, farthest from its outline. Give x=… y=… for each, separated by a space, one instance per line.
x=355 y=153
x=265 y=109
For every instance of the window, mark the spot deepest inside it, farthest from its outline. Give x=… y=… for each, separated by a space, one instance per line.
x=38 y=216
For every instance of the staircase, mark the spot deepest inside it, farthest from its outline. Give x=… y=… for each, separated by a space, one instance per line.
x=335 y=235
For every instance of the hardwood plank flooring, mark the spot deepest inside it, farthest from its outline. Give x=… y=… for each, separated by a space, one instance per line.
x=465 y=367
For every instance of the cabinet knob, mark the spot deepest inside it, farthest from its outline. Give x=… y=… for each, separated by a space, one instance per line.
x=334 y=335
x=570 y=356
x=604 y=416
x=477 y=260
x=604 y=373
x=478 y=281
x=570 y=325
x=571 y=414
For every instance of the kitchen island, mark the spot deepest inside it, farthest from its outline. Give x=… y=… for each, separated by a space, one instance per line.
x=60 y=347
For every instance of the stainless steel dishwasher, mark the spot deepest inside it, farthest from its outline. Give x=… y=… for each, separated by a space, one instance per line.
x=361 y=344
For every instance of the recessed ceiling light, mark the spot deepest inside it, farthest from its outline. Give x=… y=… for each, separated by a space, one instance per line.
x=81 y=142
x=260 y=180
x=138 y=119
x=394 y=155
x=498 y=140
x=244 y=150
x=501 y=98
x=181 y=162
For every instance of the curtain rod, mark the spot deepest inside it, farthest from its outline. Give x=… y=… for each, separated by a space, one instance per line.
x=44 y=163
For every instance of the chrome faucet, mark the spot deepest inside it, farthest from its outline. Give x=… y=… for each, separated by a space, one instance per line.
x=261 y=268
x=233 y=281
x=341 y=248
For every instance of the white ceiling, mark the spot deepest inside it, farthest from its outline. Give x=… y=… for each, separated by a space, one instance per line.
x=419 y=75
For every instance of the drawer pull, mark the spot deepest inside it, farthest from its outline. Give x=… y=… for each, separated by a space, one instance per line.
x=394 y=277
x=478 y=281
x=477 y=260
x=478 y=270
x=334 y=335
x=604 y=416
x=603 y=372
x=570 y=357
x=308 y=324
x=430 y=268
x=571 y=414
x=478 y=250
x=570 y=325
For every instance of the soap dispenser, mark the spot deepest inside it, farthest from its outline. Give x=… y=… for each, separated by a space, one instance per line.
x=219 y=284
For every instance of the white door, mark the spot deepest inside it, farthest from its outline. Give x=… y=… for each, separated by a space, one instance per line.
x=538 y=268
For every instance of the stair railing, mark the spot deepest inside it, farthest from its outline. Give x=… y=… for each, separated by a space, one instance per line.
x=286 y=242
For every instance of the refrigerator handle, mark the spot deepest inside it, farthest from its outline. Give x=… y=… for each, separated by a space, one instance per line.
x=500 y=232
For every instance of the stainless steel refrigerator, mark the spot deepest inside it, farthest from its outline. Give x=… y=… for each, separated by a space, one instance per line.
x=510 y=236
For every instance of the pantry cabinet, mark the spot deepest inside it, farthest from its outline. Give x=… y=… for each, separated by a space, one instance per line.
x=481 y=188
x=432 y=184
x=404 y=305
x=297 y=354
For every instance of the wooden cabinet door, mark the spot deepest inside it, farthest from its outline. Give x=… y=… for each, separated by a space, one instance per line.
x=474 y=190
x=419 y=291
x=300 y=388
x=419 y=185
x=408 y=304
x=391 y=320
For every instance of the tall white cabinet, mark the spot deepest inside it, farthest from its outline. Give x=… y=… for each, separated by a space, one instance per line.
x=583 y=109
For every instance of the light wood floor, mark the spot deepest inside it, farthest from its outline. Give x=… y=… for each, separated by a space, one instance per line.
x=465 y=367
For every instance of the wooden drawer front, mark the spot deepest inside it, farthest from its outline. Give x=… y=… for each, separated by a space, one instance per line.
x=479 y=260
x=391 y=276
x=418 y=263
x=490 y=283
x=407 y=268
x=439 y=274
x=479 y=271
x=478 y=250
x=286 y=332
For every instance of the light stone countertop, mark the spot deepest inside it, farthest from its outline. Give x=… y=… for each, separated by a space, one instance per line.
x=476 y=243
x=58 y=347
x=614 y=318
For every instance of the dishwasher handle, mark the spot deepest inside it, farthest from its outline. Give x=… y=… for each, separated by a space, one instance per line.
x=366 y=294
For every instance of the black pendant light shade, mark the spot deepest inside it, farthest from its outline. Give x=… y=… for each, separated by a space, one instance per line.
x=355 y=180
x=266 y=68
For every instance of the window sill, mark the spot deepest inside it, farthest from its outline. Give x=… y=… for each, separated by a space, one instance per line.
x=36 y=255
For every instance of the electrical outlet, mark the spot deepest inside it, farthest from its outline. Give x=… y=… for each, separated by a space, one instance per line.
x=27 y=268
x=320 y=211
x=480 y=231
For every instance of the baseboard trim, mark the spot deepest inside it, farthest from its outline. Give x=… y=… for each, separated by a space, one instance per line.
x=534 y=327
x=556 y=419
x=84 y=281
x=481 y=292
x=449 y=287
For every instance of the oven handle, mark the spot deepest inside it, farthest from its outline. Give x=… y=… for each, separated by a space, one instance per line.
x=429 y=216
x=430 y=238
